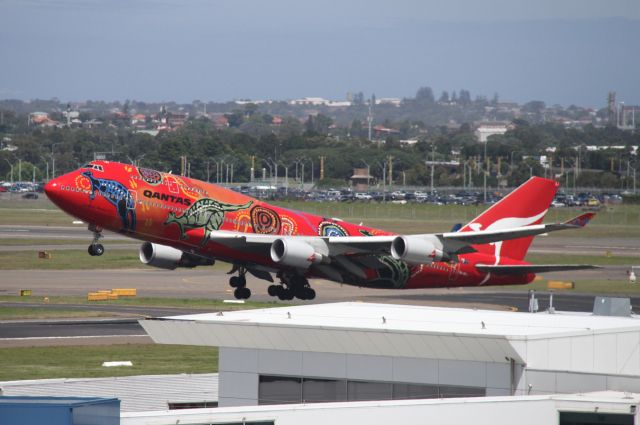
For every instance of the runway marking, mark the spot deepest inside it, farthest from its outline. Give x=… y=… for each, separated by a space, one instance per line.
x=71 y=337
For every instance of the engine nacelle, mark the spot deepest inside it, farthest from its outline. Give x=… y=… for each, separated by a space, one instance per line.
x=417 y=250
x=166 y=257
x=294 y=253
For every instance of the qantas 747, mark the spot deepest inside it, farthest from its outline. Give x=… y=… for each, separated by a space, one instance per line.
x=185 y=222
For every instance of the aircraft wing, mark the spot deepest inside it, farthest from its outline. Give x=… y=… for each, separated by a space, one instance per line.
x=446 y=244
x=530 y=268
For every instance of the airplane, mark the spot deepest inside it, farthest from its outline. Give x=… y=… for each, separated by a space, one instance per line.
x=184 y=222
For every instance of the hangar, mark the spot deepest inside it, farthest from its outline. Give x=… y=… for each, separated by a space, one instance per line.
x=361 y=351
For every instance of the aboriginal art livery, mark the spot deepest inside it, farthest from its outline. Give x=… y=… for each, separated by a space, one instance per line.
x=184 y=222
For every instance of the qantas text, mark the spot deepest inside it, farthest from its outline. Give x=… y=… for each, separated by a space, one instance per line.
x=164 y=197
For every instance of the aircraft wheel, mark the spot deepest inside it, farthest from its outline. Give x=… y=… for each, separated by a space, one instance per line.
x=98 y=249
x=242 y=293
x=310 y=294
x=273 y=290
x=289 y=295
x=284 y=294
x=91 y=251
x=242 y=280
x=234 y=281
x=300 y=292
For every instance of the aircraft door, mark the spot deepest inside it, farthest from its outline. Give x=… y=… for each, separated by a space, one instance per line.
x=133 y=200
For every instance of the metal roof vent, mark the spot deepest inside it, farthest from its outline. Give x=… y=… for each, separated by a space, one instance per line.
x=610 y=306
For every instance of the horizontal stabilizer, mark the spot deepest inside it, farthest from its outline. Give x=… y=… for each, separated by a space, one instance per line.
x=581 y=220
x=518 y=269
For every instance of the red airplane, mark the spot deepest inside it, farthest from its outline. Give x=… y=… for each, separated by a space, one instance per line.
x=185 y=222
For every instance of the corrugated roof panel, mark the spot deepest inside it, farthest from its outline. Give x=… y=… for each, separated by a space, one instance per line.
x=136 y=393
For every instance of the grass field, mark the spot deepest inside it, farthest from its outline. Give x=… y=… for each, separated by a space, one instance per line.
x=69 y=260
x=124 y=258
x=608 y=287
x=86 y=361
x=38 y=313
x=619 y=220
x=36 y=242
x=197 y=303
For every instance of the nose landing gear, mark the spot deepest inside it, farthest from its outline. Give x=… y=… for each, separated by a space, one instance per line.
x=240 y=283
x=95 y=249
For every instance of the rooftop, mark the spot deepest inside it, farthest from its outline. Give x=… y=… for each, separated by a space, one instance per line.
x=136 y=393
x=560 y=341
x=423 y=319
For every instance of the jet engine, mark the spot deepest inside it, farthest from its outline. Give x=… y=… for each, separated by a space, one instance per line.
x=294 y=253
x=417 y=250
x=166 y=257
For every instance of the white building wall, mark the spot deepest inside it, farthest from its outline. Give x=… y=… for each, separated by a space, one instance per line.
x=239 y=375
x=537 y=382
x=239 y=371
x=489 y=411
x=612 y=352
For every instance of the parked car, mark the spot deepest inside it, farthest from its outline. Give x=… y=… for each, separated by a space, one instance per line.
x=30 y=195
x=363 y=196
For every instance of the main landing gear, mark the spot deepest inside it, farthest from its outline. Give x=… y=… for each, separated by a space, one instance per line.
x=95 y=249
x=292 y=286
x=240 y=283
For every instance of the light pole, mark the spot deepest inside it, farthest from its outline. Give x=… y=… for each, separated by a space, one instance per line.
x=270 y=168
x=275 y=167
x=47 y=164
x=368 y=172
x=286 y=178
x=486 y=163
x=383 y=165
x=433 y=164
x=53 y=160
x=136 y=162
x=10 y=165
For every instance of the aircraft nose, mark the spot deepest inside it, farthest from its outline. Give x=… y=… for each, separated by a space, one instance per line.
x=53 y=189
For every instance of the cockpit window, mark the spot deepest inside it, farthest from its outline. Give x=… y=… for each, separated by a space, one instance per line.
x=94 y=167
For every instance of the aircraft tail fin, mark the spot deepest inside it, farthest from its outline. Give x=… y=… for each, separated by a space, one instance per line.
x=525 y=206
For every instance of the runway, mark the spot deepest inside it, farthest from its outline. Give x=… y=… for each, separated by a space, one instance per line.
x=211 y=283
x=542 y=244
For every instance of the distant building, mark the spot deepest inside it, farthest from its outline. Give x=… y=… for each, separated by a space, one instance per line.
x=381 y=130
x=360 y=179
x=487 y=129
x=314 y=101
x=318 y=101
x=219 y=120
x=408 y=142
x=395 y=101
x=42 y=119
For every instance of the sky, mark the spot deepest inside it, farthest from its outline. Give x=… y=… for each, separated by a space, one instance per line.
x=558 y=51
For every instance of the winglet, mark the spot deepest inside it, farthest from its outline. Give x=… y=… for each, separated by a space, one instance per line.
x=581 y=220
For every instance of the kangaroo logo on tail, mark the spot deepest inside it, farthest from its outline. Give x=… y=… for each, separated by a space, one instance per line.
x=205 y=213
x=118 y=195
x=525 y=206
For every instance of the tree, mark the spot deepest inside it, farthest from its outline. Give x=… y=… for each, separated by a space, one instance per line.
x=534 y=107
x=464 y=98
x=424 y=95
x=444 y=97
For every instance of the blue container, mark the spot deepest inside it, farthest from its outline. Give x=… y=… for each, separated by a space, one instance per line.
x=59 y=411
